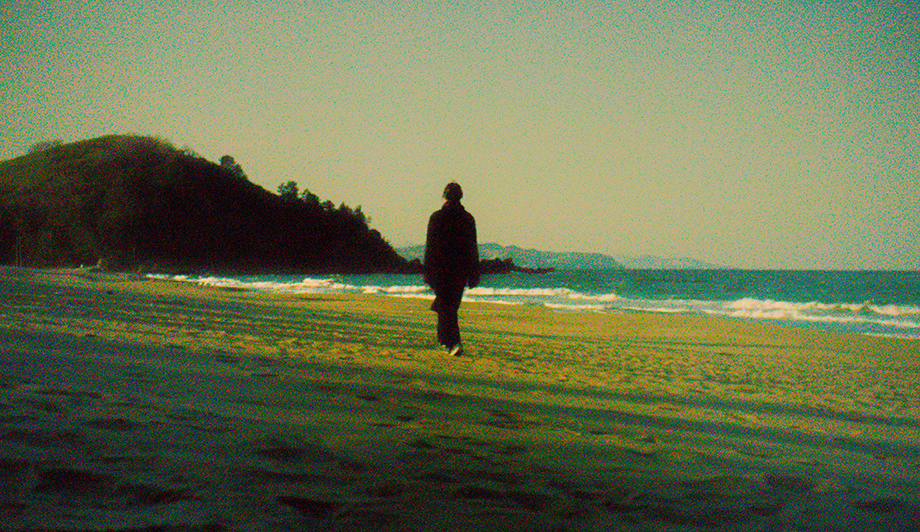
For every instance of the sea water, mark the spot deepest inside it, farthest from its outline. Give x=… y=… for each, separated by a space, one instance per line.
x=883 y=303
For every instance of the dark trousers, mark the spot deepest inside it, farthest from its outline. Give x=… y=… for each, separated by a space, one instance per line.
x=447 y=304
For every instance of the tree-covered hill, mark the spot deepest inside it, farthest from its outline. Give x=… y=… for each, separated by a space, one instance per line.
x=135 y=202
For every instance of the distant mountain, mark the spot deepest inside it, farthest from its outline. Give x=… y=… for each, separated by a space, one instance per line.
x=649 y=262
x=532 y=258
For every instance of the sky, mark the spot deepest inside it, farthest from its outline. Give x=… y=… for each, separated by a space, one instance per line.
x=748 y=134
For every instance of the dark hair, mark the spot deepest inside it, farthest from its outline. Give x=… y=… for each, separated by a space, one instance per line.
x=453 y=192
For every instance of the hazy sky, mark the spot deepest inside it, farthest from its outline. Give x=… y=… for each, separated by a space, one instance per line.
x=748 y=134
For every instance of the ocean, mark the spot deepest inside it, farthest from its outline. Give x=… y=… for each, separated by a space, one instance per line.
x=880 y=303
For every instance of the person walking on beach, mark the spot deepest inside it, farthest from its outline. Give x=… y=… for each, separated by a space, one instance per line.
x=451 y=264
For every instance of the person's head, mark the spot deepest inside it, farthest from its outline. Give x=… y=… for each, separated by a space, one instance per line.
x=453 y=192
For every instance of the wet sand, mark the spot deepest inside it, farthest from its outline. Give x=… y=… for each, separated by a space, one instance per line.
x=136 y=404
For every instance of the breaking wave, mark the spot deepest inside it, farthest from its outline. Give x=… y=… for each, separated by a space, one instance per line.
x=867 y=317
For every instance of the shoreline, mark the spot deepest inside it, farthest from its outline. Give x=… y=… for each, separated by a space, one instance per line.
x=253 y=410
x=894 y=320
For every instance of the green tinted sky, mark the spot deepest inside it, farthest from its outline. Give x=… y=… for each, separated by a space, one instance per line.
x=747 y=134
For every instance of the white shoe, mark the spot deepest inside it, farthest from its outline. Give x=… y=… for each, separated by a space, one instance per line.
x=456 y=351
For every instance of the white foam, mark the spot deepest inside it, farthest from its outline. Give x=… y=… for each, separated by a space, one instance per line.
x=862 y=316
x=892 y=335
x=603 y=298
x=519 y=292
x=769 y=305
x=491 y=301
x=890 y=316
x=559 y=306
x=395 y=290
x=895 y=310
x=306 y=285
x=664 y=310
x=413 y=296
x=167 y=277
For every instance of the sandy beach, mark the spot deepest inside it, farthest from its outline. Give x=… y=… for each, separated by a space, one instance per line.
x=129 y=403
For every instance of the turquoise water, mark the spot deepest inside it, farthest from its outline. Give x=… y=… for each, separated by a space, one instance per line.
x=869 y=302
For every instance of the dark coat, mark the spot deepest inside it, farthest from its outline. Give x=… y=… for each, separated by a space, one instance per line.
x=451 y=250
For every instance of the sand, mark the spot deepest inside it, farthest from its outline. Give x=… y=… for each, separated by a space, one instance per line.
x=135 y=404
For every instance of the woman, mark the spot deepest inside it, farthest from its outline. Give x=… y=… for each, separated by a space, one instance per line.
x=451 y=264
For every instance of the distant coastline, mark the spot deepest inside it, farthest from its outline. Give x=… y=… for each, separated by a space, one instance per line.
x=536 y=259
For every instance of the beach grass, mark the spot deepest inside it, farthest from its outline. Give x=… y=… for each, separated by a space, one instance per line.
x=128 y=403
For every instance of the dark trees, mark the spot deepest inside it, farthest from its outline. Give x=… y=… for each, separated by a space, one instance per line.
x=231 y=166
x=288 y=191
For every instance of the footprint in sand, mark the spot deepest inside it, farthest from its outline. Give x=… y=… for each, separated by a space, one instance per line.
x=506 y=420
x=790 y=483
x=76 y=396
x=228 y=359
x=46 y=406
x=113 y=424
x=69 y=482
x=281 y=451
x=200 y=420
x=753 y=453
x=532 y=500
x=44 y=438
x=888 y=505
x=438 y=477
x=8 y=382
x=711 y=503
x=315 y=508
x=369 y=397
x=149 y=495
x=480 y=493
x=387 y=490
x=65 y=480
x=13 y=475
